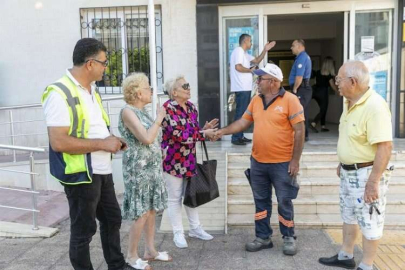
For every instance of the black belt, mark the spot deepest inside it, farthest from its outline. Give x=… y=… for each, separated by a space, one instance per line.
x=356 y=166
x=305 y=82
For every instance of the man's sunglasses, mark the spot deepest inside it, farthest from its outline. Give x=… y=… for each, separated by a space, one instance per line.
x=260 y=78
x=105 y=63
x=186 y=86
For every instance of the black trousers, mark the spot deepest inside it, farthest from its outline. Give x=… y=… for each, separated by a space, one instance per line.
x=321 y=96
x=86 y=203
x=304 y=93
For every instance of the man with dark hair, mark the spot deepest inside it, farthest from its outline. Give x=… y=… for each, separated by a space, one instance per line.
x=299 y=78
x=242 y=65
x=80 y=155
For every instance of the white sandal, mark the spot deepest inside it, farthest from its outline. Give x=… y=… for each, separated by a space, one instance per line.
x=141 y=264
x=162 y=256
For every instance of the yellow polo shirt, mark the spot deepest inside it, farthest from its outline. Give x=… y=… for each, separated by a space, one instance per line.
x=361 y=127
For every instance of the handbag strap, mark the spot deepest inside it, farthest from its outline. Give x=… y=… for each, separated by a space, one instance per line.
x=203 y=146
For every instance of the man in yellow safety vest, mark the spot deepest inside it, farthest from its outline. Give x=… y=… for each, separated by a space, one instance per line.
x=80 y=155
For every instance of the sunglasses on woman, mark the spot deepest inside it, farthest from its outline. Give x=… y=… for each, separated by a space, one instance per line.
x=186 y=86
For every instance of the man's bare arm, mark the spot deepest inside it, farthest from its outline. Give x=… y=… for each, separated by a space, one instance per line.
x=242 y=69
x=382 y=157
x=267 y=47
x=61 y=142
x=299 y=136
x=237 y=126
x=297 y=83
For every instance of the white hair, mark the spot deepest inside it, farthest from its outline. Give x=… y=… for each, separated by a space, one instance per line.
x=171 y=84
x=358 y=71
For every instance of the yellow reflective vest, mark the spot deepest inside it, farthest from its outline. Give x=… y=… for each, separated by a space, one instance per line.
x=72 y=169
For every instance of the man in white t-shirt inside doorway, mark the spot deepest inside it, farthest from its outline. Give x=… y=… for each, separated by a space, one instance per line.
x=242 y=65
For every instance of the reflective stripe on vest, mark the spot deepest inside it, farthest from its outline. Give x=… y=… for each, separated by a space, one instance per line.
x=72 y=102
x=76 y=168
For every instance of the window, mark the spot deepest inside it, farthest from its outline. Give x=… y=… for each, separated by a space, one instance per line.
x=125 y=33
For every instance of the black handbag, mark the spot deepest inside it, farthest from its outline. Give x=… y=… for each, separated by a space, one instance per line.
x=202 y=187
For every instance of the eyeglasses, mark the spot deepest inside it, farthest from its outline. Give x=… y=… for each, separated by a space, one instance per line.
x=338 y=79
x=186 y=86
x=105 y=63
x=148 y=88
x=260 y=78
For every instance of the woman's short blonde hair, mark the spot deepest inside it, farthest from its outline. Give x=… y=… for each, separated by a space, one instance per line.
x=171 y=84
x=131 y=85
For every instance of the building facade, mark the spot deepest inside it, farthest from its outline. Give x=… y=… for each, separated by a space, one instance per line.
x=195 y=38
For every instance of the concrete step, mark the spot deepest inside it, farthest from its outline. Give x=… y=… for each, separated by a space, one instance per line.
x=309 y=157
x=309 y=170
x=394 y=221
x=311 y=186
x=304 y=204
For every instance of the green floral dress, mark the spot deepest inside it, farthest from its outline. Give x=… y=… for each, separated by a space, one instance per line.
x=142 y=169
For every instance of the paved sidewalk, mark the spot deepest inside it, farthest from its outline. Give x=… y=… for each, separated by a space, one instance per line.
x=223 y=252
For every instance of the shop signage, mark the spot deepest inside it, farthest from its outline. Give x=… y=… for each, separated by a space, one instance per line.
x=233 y=38
x=378 y=82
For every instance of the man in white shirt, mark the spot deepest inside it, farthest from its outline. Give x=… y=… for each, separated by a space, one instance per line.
x=80 y=155
x=242 y=65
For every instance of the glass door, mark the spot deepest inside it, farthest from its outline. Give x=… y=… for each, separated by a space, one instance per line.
x=373 y=46
x=232 y=29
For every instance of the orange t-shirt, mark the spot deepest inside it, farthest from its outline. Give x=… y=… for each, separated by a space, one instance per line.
x=273 y=134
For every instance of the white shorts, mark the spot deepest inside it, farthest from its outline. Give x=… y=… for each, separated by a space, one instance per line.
x=352 y=206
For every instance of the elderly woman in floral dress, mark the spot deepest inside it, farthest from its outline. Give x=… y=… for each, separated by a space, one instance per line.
x=145 y=191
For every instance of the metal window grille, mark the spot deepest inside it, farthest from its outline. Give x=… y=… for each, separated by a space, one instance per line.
x=125 y=33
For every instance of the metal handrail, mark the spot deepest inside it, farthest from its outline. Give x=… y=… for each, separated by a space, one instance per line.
x=32 y=174
x=12 y=123
x=39 y=105
x=22 y=148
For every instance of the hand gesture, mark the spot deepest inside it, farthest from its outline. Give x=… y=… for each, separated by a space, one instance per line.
x=164 y=153
x=160 y=114
x=211 y=124
x=371 y=191
x=218 y=135
x=209 y=133
x=338 y=170
x=269 y=45
x=293 y=168
x=112 y=144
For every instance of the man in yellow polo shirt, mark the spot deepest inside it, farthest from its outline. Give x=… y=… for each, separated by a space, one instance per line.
x=364 y=150
x=278 y=140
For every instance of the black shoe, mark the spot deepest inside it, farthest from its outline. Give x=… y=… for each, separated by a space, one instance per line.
x=246 y=140
x=333 y=261
x=239 y=142
x=313 y=128
x=324 y=130
x=258 y=244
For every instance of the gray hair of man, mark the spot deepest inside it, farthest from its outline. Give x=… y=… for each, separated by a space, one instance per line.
x=357 y=70
x=171 y=85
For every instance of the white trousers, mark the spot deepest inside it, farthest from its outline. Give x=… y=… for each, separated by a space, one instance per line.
x=176 y=188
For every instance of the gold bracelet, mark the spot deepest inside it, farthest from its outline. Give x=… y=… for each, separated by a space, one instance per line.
x=157 y=124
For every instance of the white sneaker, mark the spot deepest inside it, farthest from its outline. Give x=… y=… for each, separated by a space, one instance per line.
x=179 y=240
x=200 y=234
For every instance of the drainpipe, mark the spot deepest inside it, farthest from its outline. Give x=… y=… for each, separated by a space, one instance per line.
x=152 y=54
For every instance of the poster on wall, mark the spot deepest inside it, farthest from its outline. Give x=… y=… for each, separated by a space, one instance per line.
x=374 y=62
x=233 y=38
x=367 y=44
x=378 y=82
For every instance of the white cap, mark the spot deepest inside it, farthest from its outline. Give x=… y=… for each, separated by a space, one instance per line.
x=270 y=69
